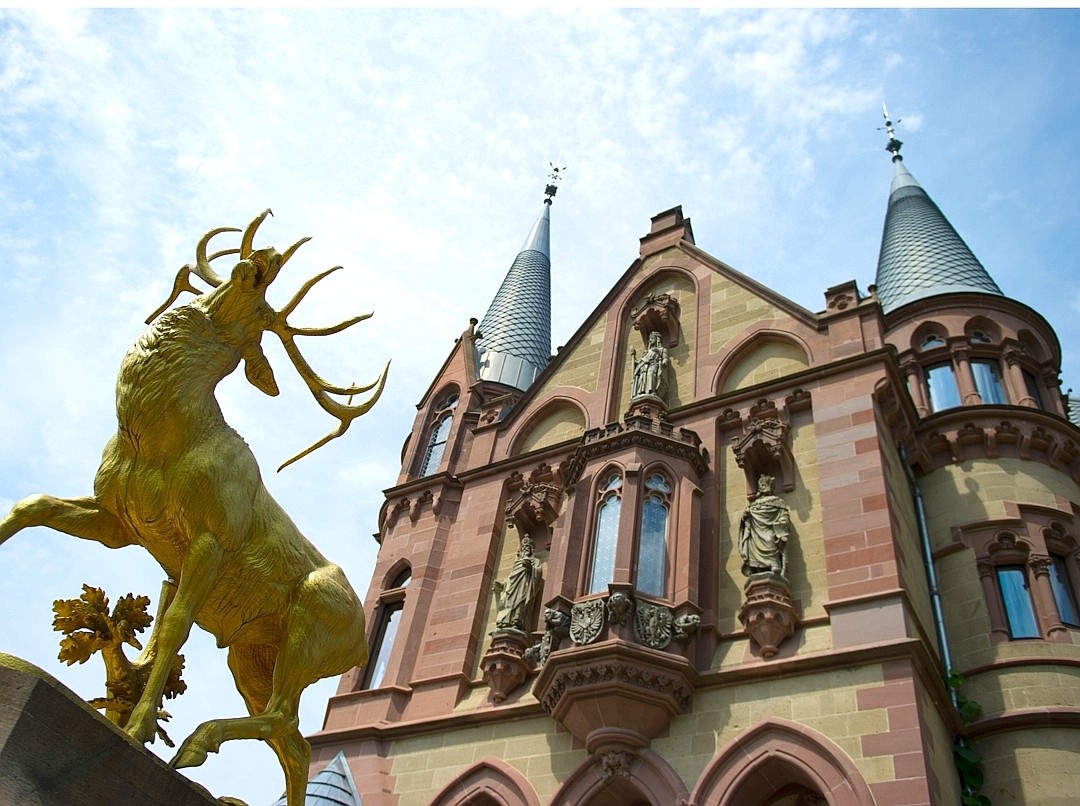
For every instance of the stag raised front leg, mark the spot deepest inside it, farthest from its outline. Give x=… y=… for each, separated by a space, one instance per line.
x=79 y=517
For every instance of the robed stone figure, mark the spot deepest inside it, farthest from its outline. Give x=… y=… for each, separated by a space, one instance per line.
x=763 y=532
x=515 y=596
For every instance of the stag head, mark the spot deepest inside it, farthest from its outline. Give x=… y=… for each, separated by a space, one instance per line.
x=241 y=314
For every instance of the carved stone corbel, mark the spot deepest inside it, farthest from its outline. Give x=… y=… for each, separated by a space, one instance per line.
x=504 y=664
x=768 y=614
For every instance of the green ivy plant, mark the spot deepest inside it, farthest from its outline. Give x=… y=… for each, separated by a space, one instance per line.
x=967 y=759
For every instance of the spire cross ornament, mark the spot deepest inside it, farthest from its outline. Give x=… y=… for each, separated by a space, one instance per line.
x=894 y=144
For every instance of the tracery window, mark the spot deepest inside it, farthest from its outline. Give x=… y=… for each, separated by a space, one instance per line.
x=652 y=556
x=391 y=606
x=440 y=433
x=931 y=341
x=606 y=534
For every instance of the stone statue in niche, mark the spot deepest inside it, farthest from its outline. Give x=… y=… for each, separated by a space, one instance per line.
x=515 y=597
x=650 y=373
x=763 y=532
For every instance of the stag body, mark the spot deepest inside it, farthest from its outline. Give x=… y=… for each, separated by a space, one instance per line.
x=177 y=480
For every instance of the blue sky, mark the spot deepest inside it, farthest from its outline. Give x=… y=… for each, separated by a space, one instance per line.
x=413 y=146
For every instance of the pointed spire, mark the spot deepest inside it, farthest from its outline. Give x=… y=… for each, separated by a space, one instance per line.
x=334 y=786
x=921 y=254
x=515 y=334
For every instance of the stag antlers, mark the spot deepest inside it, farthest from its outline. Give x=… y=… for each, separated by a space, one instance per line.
x=320 y=389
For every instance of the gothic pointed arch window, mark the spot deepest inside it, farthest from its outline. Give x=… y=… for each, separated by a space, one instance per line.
x=439 y=434
x=605 y=532
x=652 y=550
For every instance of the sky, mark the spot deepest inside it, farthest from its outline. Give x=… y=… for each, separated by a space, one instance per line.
x=414 y=147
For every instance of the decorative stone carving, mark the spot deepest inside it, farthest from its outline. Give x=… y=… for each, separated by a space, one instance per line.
x=515 y=597
x=558 y=626
x=763 y=532
x=649 y=378
x=686 y=626
x=651 y=433
x=652 y=625
x=586 y=621
x=768 y=613
x=504 y=665
x=615 y=762
x=615 y=696
x=763 y=448
x=658 y=313
x=619 y=605
x=536 y=500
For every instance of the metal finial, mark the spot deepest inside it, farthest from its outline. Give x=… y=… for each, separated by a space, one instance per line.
x=894 y=144
x=552 y=188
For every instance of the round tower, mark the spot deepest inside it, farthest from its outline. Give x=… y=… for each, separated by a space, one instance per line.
x=995 y=480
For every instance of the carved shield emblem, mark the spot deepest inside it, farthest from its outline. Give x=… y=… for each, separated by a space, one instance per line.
x=652 y=625
x=586 y=621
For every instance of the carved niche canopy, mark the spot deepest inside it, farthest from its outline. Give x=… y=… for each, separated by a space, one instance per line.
x=535 y=500
x=659 y=313
x=762 y=443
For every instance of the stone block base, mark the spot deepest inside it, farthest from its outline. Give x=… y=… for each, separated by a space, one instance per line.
x=55 y=750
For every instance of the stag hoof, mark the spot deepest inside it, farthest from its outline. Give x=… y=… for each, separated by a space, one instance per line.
x=196 y=747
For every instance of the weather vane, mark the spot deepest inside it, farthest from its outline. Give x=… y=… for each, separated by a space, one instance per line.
x=893 y=145
x=554 y=176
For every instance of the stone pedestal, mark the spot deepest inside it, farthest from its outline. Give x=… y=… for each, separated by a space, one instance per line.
x=504 y=664
x=55 y=750
x=768 y=614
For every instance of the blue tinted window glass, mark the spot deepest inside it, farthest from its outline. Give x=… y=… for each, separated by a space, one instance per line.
x=1017 y=600
x=1063 y=593
x=988 y=381
x=652 y=549
x=941 y=383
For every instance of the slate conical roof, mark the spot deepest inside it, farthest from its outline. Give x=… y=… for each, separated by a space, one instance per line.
x=515 y=333
x=921 y=254
x=333 y=786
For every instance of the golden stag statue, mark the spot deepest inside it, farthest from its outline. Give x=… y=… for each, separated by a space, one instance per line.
x=178 y=481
